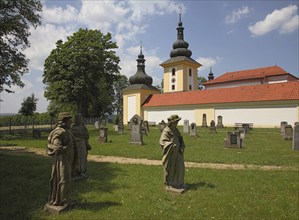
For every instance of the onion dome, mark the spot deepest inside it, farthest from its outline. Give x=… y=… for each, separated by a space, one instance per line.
x=211 y=75
x=180 y=47
x=140 y=76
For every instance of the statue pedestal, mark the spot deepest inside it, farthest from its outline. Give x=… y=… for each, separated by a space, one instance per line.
x=56 y=210
x=53 y=209
x=176 y=190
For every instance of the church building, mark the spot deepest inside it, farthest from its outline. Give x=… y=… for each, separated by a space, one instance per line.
x=263 y=96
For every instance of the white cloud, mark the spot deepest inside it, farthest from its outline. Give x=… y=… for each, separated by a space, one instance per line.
x=43 y=40
x=59 y=15
x=207 y=62
x=237 y=14
x=284 y=20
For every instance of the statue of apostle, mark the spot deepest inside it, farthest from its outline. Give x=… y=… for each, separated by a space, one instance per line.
x=61 y=148
x=81 y=136
x=173 y=147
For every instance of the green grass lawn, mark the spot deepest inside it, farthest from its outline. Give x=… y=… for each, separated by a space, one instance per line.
x=115 y=191
x=262 y=146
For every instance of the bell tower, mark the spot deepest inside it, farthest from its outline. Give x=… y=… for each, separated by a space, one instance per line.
x=138 y=91
x=180 y=71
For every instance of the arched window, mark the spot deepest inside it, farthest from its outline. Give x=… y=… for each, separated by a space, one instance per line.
x=173 y=71
x=190 y=72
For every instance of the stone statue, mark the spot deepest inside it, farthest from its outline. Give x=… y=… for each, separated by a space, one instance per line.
x=173 y=147
x=61 y=148
x=81 y=148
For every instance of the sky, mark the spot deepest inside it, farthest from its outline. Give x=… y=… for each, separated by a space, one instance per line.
x=225 y=35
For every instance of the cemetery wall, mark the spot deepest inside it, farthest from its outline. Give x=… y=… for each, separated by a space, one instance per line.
x=263 y=116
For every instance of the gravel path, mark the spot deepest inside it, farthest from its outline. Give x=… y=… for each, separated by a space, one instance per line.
x=142 y=161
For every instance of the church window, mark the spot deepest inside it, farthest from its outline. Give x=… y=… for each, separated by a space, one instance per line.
x=190 y=87
x=173 y=71
x=173 y=87
x=190 y=72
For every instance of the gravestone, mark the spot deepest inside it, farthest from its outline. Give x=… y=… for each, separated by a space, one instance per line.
x=296 y=136
x=204 y=121
x=288 y=132
x=162 y=125
x=186 y=128
x=115 y=128
x=193 y=130
x=212 y=127
x=283 y=124
x=103 y=123
x=103 y=135
x=129 y=125
x=219 y=122
x=246 y=128
x=242 y=134
x=145 y=126
x=233 y=140
x=120 y=127
x=136 y=130
x=97 y=125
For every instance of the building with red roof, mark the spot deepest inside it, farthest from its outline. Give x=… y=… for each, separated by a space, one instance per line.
x=263 y=96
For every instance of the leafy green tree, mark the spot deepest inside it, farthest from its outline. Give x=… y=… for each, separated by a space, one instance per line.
x=16 y=17
x=28 y=106
x=201 y=81
x=80 y=72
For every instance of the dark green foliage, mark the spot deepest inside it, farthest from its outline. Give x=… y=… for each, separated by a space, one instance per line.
x=16 y=17
x=28 y=106
x=80 y=72
x=201 y=81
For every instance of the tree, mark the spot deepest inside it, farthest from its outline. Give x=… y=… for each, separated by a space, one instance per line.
x=201 y=81
x=28 y=106
x=16 y=16
x=80 y=72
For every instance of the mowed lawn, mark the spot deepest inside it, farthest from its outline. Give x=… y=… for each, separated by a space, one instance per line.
x=117 y=191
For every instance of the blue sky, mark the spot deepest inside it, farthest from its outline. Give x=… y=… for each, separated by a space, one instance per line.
x=225 y=35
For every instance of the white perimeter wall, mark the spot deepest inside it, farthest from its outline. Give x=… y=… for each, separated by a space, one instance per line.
x=159 y=115
x=260 y=117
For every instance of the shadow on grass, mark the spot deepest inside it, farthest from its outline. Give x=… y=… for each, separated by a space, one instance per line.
x=202 y=184
x=24 y=185
x=96 y=206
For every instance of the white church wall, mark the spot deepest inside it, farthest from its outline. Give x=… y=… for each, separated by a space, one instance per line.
x=131 y=106
x=260 y=117
x=158 y=115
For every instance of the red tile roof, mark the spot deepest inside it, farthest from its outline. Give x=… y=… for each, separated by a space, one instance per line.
x=258 y=73
x=256 y=93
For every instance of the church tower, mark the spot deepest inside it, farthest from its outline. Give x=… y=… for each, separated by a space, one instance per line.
x=138 y=91
x=180 y=71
